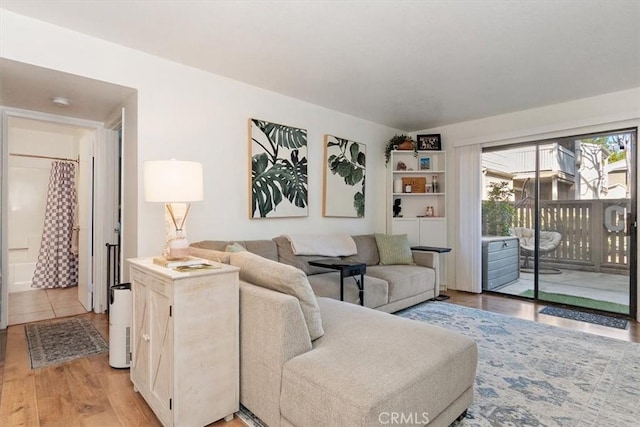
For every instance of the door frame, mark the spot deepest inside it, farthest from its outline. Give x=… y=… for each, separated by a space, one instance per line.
x=8 y=113
x=108 y=178
x=632 y=217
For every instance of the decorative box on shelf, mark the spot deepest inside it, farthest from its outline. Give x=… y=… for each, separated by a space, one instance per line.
x=415 y=184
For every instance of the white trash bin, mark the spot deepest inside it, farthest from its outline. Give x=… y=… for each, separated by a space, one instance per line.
x=120 y=326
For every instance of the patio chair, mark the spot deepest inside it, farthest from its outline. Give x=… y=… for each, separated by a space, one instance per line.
x=549 y=241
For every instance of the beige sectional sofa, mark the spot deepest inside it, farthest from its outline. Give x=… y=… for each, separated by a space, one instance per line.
x=315 y=361
x=387 y=287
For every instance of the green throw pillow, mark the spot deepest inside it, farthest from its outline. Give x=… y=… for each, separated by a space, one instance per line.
x=235 y=247
x=394 y=249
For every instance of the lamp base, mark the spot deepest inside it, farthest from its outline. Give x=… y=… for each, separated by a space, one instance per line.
x=178 y=249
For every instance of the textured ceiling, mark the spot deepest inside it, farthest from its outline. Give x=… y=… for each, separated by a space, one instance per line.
x=408 y=64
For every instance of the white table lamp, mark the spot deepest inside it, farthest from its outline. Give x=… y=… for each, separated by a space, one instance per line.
x=175 y=183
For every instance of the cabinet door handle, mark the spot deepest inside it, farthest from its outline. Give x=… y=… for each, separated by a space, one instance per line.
x=146 y=337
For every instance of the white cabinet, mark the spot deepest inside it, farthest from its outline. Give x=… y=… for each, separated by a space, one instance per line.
x=423 y=205
x=184 y=341
x=422 y=231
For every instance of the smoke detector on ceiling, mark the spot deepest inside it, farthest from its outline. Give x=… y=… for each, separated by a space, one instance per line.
x=60 y=101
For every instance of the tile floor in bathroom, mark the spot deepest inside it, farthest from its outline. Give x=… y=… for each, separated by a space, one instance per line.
x=43 y=304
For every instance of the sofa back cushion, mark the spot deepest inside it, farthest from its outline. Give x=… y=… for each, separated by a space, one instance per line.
x=281 y=278
x=210 y=254
x=286 y=256
x=264 y=248
x=367 y=250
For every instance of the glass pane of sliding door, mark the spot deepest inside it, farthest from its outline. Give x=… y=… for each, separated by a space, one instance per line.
x=568 y=203
x=508 y=213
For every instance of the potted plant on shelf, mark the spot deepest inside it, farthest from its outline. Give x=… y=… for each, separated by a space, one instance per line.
x=399 y=142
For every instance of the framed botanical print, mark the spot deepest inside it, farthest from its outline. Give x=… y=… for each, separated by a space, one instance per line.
x=345 y=164
x=278 y=165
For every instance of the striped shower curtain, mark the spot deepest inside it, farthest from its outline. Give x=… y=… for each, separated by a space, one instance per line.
x=57 y=265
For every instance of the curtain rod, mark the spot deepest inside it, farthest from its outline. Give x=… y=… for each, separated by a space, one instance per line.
x=45 y=157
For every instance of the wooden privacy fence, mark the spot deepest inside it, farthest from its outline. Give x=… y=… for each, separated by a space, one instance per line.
x=594 y=232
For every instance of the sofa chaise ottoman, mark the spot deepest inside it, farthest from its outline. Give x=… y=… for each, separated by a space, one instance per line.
x=308 y=361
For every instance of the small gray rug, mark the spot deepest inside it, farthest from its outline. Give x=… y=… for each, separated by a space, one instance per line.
x=583 y=316
x=60 y=341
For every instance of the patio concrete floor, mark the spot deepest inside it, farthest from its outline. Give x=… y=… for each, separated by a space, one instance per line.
x=598 y=286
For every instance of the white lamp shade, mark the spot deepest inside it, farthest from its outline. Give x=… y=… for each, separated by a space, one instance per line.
x=173 y=181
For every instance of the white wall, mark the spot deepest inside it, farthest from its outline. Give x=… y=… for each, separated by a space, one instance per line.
x=595 y=114
x=188 y=114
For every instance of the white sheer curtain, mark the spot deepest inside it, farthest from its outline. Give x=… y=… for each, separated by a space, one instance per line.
x=469 y=211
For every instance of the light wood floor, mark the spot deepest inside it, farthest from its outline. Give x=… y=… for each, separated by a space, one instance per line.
x=530 y=311
x=83 y=392
x=88 y=392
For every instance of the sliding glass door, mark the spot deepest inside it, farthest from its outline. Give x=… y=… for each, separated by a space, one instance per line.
x=559 y=223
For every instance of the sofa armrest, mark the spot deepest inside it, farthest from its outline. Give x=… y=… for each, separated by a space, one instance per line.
x=272 y=331
x=431 y=260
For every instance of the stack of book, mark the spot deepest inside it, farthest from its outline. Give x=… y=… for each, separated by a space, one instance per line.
x=184 y=265
x=182 y=262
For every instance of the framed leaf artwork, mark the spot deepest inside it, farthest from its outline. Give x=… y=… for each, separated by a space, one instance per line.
x=345 y=165
x=278 y=165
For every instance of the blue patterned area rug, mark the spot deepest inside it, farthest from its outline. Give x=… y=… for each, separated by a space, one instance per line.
x=532 y=374
x=583 y=316
x=61 y=341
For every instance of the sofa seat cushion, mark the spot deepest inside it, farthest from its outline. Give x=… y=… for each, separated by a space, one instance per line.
x=369 y=363
x=404 y=280
x=281 y=278
x=376 y=291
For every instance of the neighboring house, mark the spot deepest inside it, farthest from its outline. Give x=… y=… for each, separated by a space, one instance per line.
x=617 y=180
x=569 y=170
x=517 y=165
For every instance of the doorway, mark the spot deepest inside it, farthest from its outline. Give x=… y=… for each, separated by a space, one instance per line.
x=35 y=148
x=559 y=221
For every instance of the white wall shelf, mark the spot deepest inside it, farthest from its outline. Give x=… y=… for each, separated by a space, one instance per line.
x=420 y=229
